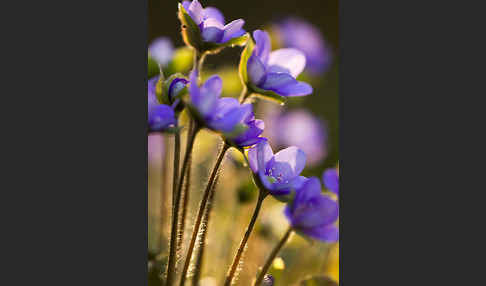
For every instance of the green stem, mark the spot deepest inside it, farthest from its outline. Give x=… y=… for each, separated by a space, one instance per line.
x=244 y=95
x=177 y=157
x=175 y=211
x=229 y=277
x=202 y=238
x=272 y=256
x=202 y=205
x=185 y=199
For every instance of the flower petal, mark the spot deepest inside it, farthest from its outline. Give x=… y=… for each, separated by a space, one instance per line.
x=196 y=12
x=290 y=59
x=277 y=81
x=318 y=211
x=212 y=12
x=326 y=233
x=228 y=114
x=330 y=179
x=232 y=28
x=259 y=155
x=212 y=31
x=160 y=117
x=152 y=98
x=294 y=157
x=256 y=70
x=250 y=136
x=263 y=45
x=299 y=88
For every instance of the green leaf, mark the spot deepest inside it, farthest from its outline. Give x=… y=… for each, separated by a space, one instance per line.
x=245 y=55
x=191 y=34
x=318 y=281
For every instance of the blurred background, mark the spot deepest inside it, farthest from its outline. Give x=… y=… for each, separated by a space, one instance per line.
x=309 y=122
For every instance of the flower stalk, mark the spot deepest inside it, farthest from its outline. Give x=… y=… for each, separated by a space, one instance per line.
x=272 y=256
x=200 y=213
x=171 y=269
x=231 y=272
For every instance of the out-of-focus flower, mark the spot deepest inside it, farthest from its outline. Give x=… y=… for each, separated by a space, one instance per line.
x=302 y=35
x=161 y=50
x=278 y=174
x=223 y=115
x=330 y=178
x=211 y=23
x=299 y=128
x=276 y=71
x=312 y=213
x=161 y=117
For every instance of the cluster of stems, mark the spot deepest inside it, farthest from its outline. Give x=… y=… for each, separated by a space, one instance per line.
x=180 y=187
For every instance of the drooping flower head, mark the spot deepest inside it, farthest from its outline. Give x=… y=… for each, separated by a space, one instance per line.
x=161 y=117
x=298 y=128
x=278 y=174
x=302 y=35
x=330 y=178
x=312 y=213
x=161 y=50
x=277 y=70
x=225 y=115
x=211 y=23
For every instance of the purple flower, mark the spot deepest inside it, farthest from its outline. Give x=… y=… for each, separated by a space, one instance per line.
x=300 y=34
x=278 y=174
x=211 y=23
x=276 y=71
x=223 y=115
x=254 y=127
x=330 y=178
x=161 y=50
x=161 y=117
x=298 y=128
x=313 y=213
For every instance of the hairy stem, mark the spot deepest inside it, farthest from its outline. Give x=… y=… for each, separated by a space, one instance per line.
x=175 y=210
x=272 y=256
x=200 y=212
x=202 y=237
x=231 y=272
x=164 y=186
x=185 y=199
x=177 y=157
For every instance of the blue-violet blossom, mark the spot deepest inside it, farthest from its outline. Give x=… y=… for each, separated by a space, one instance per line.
x=160 y=116
x=225 y=114
x=276 y=71
x=211 y=23
x=330 y=178
x=312 y=213
x=278 y=174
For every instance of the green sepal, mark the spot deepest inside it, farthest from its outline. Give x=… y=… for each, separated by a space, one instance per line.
x=267 y=94
x=162 y=91
x=191 y=34
x=214 y=48
x=318 y=281
x=245 y=56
